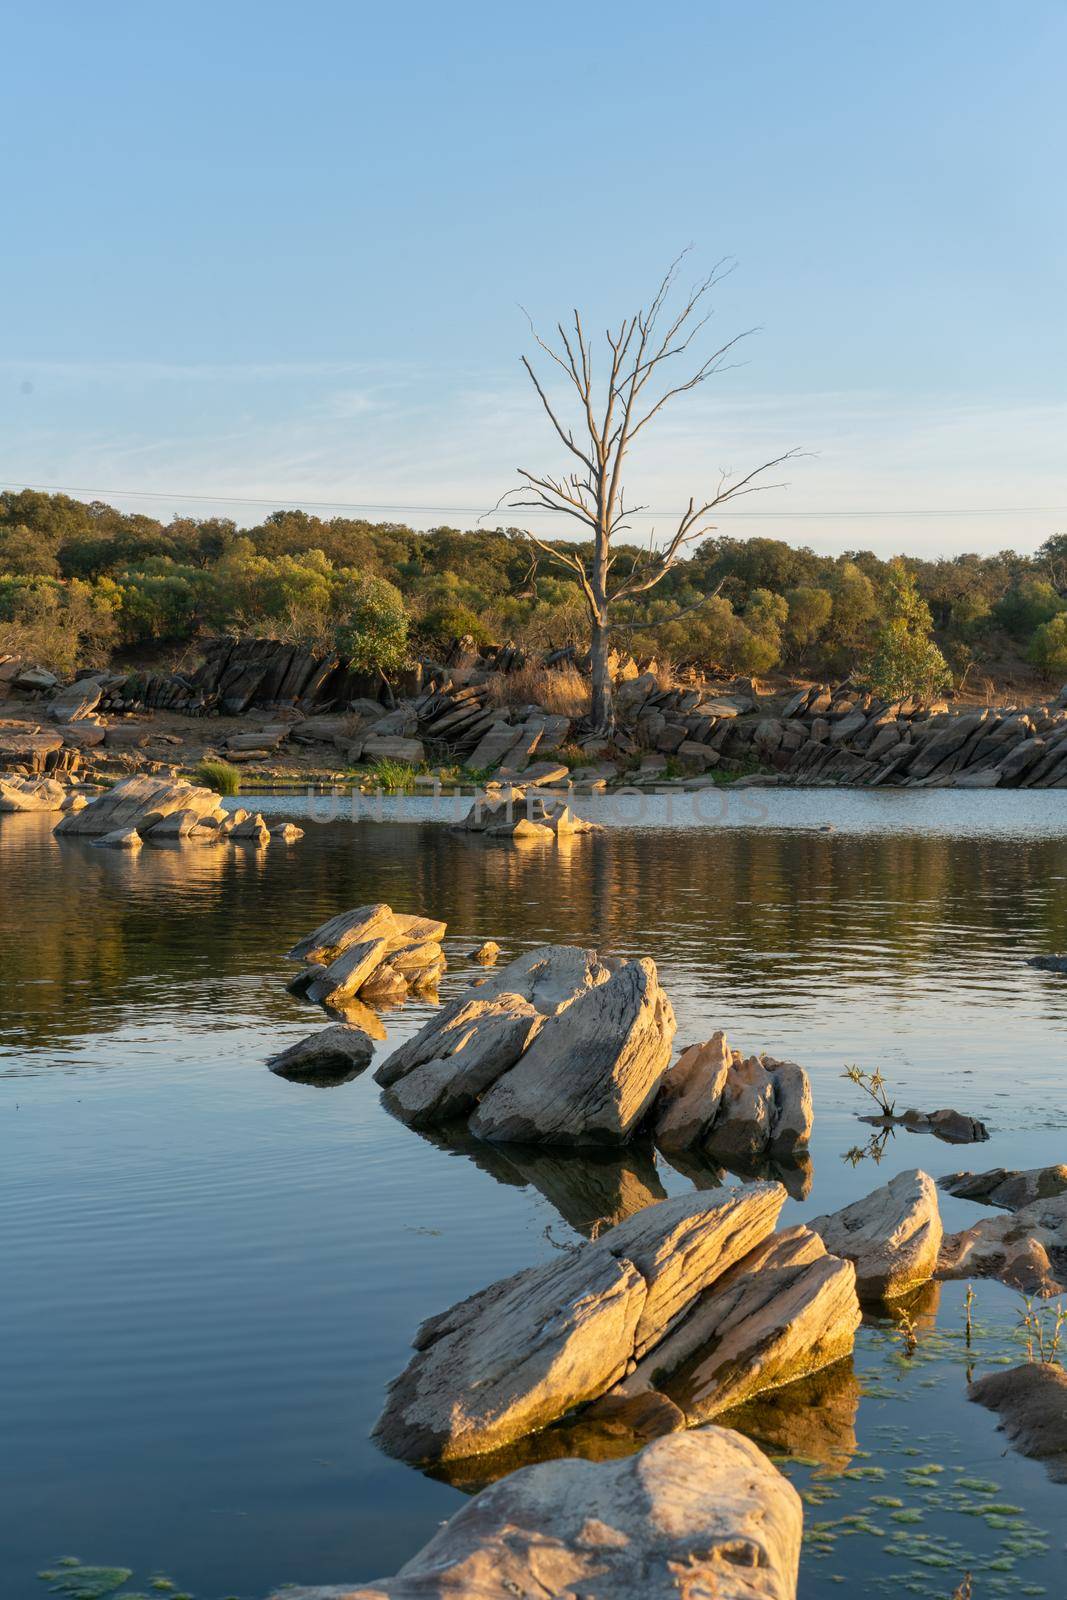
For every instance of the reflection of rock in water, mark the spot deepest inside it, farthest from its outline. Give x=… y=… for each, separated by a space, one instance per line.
x=321 y=1076
x=591 y=1189
x=794 y=1172
x=815 y=1417
x=608 y=1438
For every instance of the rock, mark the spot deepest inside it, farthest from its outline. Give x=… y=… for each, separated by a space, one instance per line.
x=1048 y=963
x=541 y=772
x=393 y=747
x=21 y=747
x=121 y=839
x=486 y=953
x=364 y=922
x=1008 y=1189
x=76 y=700
x=35 y=679
x=348 y=972
x=697 y=755
x=265 y=740
x=337 y=1049
x=140 y=803
x=954 y=1127
x=253 y=830
x=1026 y=1249
x=713 y=1098
x=591 y=1072
x=286 y=833
x=528 y=1349
x=893 y=1235
x=700 y=1515
x=462 y=1059
x=31 y=794
x=784 y=1310
x=75 y=802
x=177 y=825
x=1031 y=1401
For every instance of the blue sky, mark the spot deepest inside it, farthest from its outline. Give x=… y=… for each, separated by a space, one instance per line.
x=277 y=253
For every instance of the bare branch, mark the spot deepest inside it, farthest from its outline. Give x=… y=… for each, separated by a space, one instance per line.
x=634 y=623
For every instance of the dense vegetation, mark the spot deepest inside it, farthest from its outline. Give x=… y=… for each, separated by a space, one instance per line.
x=79 y=581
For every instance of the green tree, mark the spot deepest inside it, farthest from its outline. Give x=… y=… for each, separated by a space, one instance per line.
x=809 y=613
x=373 y=634
x=906 y=661
x=1048 y=648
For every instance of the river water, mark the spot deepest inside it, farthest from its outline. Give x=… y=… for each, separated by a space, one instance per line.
x=208 y=1274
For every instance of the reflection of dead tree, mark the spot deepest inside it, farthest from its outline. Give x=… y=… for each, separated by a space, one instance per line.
x=612 y=411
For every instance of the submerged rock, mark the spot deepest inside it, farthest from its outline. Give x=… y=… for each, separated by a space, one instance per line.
x=893 y=1235
x=698 y=1514
x=1026 y=1249
x=954 y=1127
x=1048 y=963
x=715 y=1099
x=486 y=953
x=120 y=839
x=559 y=1047
x=1031 y=1401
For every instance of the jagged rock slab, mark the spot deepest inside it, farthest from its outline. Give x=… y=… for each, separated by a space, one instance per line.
x=528 y=1349
x=478 y=1043
x=1026 y=1249
x=716 y=1099
x=139 y=803
x=1011 y=1190
x=362 y=923
x=893 y=1235
x=341 y=1048
x=700 y=1514
x=784 y=1311
x=590 y=1072
x=1031 y=1401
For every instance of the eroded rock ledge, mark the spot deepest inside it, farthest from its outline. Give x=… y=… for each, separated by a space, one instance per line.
x=371 y=953
x=698 y=1514
x=693 y=1304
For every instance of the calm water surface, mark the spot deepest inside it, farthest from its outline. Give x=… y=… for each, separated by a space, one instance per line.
x=209 y=1274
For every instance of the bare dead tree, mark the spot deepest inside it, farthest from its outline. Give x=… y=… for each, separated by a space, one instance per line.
x=638 y=381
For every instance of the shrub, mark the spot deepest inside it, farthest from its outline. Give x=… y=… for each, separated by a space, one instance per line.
x=218 y=775
x=562 y=690
x=1048 y=648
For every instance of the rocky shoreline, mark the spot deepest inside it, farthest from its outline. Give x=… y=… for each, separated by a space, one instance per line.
x=285 y=714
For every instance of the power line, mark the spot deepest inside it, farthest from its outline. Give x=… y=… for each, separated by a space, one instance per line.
x=480 y=511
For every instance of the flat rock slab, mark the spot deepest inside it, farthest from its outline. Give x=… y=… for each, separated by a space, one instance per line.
x=1026 y=1249
x=527 y=1350
x=703 y=1515
x=1011 y=1190
x=893 y=1235
x=1031 y=1401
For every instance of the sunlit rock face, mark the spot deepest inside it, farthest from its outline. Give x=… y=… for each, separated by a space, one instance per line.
x=699 y=1514
x=689 y=1307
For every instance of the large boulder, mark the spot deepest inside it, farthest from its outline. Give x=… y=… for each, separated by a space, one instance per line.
x=697 y=1514
x=138 y=803
x=893 y=1235
x=527 y=1350
x=715 y=1099
x=1026 y=1249
x=559 y=1047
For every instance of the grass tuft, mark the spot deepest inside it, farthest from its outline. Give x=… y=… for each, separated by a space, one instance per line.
x=218 y=775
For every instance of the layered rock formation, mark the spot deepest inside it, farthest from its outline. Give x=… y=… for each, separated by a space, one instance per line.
x=559 y=1047
x=1026 y=1249
x=650 y=1311
x=715 y=1100
x=372 y=953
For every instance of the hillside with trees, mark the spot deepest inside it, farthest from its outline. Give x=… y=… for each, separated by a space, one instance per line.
x=81 y=582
